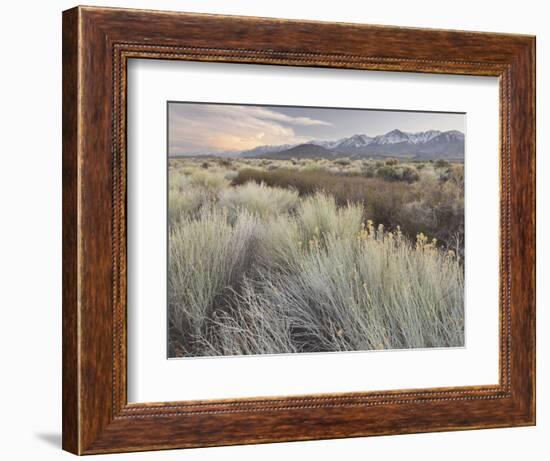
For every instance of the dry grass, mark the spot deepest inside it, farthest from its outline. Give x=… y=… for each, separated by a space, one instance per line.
x=259 y=199
x=289 y=261
x=429 y=205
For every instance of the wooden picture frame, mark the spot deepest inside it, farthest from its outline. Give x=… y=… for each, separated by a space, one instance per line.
x=97 y=43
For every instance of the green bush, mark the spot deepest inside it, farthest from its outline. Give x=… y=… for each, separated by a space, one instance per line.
x=389 y=173
x=409 y=175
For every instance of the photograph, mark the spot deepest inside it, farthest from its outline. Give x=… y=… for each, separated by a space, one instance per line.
x=313 y=229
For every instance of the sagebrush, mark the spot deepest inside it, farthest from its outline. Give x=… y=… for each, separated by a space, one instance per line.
x=317 y=256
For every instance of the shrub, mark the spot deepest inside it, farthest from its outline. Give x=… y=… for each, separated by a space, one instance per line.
x=207 y=260
x=439 y=205
x=445 y=175
x=409 y=175
x=258 y=199
x=304 y=182
x=210 y=182
x=388 y=173
x=440 y=163
x=370 y=293
x=370 y=172
x=177 y=181
x=230 y=175
x=437 y=210
x=458 y=174
x=281 y=262
x=342 y=161
x=352 y=170
x=319 y=216
x=362 y=290
x=183 y=204
x=224 y=162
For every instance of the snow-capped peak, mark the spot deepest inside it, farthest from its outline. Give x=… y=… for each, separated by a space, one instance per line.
x=392 y=137
x=423 y=136
x=359 y=144
x=357 y=140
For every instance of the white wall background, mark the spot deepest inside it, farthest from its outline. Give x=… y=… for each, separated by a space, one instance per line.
x=30 y=228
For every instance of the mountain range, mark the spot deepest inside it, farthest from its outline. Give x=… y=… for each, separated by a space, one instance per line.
x=424 y=145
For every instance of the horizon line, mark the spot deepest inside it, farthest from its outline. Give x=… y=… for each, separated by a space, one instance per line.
x=310 y=141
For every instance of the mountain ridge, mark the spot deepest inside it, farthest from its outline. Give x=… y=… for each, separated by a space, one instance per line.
x=422 y=145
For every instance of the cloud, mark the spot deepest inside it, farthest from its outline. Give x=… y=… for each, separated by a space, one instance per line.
x=203 y=128
x=261 y=112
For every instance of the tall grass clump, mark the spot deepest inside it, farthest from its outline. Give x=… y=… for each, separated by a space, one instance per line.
x=320 y=217
x=184 y=203
x=207 y=257
x=210 y=183
x=373 y=291
x=258 y=199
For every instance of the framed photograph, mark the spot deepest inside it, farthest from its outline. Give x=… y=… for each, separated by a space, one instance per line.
x=281 y=230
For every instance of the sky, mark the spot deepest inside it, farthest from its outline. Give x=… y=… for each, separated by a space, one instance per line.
x=199 y=128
